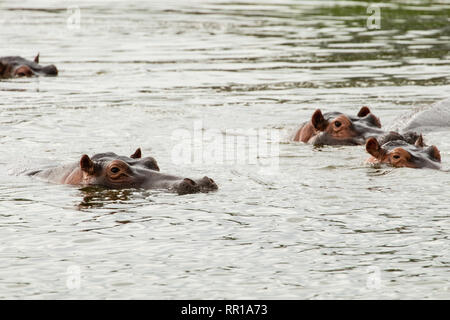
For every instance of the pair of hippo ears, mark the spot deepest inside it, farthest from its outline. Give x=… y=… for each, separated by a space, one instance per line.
x=320 y=123
x=374 y=148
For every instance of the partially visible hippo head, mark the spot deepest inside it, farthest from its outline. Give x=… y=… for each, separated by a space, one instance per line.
x=335 y=128
x=20 y=67
x=409 y=137
x=113 y=171
x=400 y=153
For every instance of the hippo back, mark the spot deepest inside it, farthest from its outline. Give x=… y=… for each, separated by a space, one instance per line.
x=434 y=117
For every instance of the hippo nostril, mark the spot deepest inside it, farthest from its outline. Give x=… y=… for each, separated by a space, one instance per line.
x=207 y=179
x=207 y=184
x=190 y=181
x=187 y=186
x=50 y=70
x=190 y=186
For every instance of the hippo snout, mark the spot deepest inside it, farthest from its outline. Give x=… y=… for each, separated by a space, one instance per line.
x=207 y=184
x=187 y=186
x=50 y=70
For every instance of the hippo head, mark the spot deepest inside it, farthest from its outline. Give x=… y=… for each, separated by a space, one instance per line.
x=335 y=128
x=400 y=153
x=20 y=67
x=113 y=171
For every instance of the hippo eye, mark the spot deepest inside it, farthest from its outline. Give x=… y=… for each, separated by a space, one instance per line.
x=115 y=169
x=337 y=124
x=396 y=156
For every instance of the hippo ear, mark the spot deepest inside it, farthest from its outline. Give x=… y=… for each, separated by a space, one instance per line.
x=86 y=164
x=364 y=111
x=434 y=153
x=318 y=121
x=419 y=142
x=36 y=59
x=373 y=147
x=137 y=154
x=154 y=165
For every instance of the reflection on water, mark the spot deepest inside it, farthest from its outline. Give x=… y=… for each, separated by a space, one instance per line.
x=95 y=196
x=324 y=225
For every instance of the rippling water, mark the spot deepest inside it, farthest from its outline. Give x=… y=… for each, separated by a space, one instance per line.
x=323 y=225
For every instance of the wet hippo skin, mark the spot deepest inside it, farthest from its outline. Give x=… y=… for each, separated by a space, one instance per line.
x=427 y=118
x=15 y=66
x=113 y=171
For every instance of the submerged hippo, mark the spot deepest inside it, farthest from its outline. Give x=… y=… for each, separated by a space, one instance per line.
x=335 y=128
x=113 y=171
x=395 y=150
x=434 y=117
x=19 y=67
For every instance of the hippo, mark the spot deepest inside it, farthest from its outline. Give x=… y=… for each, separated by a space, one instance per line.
x=118 y=172
x=434 y=117
x=11 y=67
x=395 y=150
x=335 y=128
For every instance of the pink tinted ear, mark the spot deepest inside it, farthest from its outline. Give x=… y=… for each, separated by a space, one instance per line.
x=373 y=147
x=86 y=164
x=433 y=151
x=419 y=142
x=318 y=121
x=364 y=111
x=137 y=154
x=36 y=59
